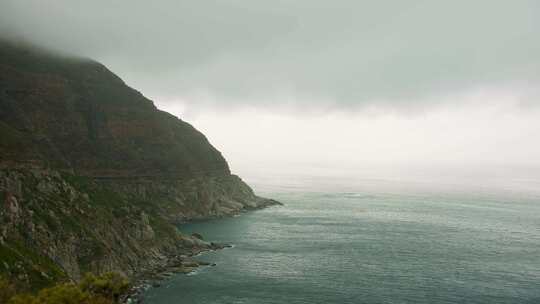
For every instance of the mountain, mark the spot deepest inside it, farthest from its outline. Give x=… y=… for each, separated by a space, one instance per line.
x=93 y=177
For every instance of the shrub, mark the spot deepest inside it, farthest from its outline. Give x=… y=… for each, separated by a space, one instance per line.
x=6 y=291
x=63 y=293
x=104 y=289
x=109 y=285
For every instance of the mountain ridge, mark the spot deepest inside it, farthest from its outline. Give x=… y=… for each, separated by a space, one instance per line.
x=93 y=176
x=90 y=121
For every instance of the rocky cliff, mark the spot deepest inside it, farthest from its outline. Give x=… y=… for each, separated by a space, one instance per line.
x=93 y=176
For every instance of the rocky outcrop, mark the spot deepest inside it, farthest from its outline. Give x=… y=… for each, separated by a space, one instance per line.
x=188 y=199
x=93 y=176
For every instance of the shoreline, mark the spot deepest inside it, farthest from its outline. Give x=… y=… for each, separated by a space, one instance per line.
x=173 y=265
x=183 y=263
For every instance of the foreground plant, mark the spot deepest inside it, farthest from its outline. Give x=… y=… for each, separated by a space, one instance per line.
x=103 y=289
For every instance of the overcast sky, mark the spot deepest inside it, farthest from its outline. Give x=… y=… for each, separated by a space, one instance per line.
x=321 y=84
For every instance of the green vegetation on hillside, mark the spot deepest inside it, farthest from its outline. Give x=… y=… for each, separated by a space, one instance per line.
x=19 y=261
x=104 y=289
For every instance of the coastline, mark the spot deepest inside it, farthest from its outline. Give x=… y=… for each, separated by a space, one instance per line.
x=172 y=265
x=183 y=263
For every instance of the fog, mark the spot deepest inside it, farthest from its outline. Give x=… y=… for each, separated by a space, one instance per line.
x=404 y=90
x=465 y=144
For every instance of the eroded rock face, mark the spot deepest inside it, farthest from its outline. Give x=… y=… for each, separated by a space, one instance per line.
x=93 y=176
x=80 y=224
x=188 y=199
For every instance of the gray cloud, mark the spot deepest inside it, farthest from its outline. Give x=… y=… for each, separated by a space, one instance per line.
x=344 y=53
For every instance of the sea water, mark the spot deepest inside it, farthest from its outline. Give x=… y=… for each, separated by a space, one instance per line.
x=370 y=246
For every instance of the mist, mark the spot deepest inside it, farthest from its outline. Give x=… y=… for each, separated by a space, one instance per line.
x=422 y=90
x=467 y=143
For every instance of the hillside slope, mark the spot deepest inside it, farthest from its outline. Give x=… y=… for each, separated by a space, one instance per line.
x=93 y=176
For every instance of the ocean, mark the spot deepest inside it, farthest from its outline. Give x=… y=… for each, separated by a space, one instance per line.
x=370 y=245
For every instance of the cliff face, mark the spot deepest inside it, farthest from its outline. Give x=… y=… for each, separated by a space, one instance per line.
x=93 y=175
